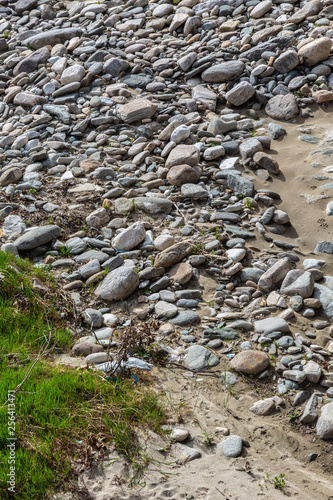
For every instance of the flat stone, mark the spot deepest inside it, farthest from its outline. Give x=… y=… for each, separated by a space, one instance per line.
x=282 y=107
x=270 y=325
x=263 y=407
x=240 y=94
x=165 y=309
x=185 y=318
x=130 y=237
x=274 y=275
x=183 y=155
x=173 y=254
x=137 y=110
x=298 y=282
x=223 y=72
x=37 y=237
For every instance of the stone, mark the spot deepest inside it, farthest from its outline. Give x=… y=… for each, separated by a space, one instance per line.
x=173 y=254
x=93 y=317
x=231 y=447
x=261 y=9
x=114 y=66
x=185 y=318
x=263 y=407
x=76 y=246
x=185 y=453
x=204 y=96
x=240 y=185
x=312 y=371
x=250 y=362
x=294 y=375
x=181 y=273
x=270 y=325
x=183 y=174
x=130 y=237
x=219 y=126
x=37 y=237
x=310 y=411
x=240 y=94
x=194 y=191
x=118 y=284
x=286 y=62
x=249 y=147
x=179 y=434
x=152 y=205
x=30 y=63
x=309 y=9
x=165 y=309
x=180 y=134
x=98 y=218
x=276 y=131
x=28 y=99
x=89 y=269
x=52 y=37
x=324 y=247
x=199 y=358
x=267 y=162
x=314 y=52
x=298 y=282
x=164 y=241
x=274 y=275
x=23 y=5
x=137 y=110
x=72 y=74
x=282 y=107
x=10 y=176
x=183 y=155
x=223 y=72
x=324 y=427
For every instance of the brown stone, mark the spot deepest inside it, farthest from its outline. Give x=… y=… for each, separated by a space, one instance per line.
x=137 y=110
x=183 y=155
x=174 y=254
x=182 y=174
x=323 y=96
x=90 y=165
x=266 y=162
x=10 y=176
x=314 y=52
x=181 y=273
x=250 y=362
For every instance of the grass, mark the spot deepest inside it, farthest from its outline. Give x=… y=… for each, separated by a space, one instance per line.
x=63 y=418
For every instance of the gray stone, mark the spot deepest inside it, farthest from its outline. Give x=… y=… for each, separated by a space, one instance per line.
x=165 y=309
x=37 y=237
x=274 y=275
x=312 y=371
x=282 y=107
x=231 y=447
x=185 y=318
x=298 y=282
x=137 y=110
x=199 y=358
x=223 y=72
x=276 y=131
x=76 y=246
x=93 y=317
x=249 y=147
x=240 y=94
x=118 y=284
x=325 y=295
x=270 y=325
x=240 y=185
x=286 y=61
x=324 y=247
x=72 y=74
x=130 y=237
x=324 y=426
x=204 y=96
x=310 y=411
x=52 y=37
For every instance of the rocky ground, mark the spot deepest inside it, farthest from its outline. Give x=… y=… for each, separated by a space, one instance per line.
x=170 y=163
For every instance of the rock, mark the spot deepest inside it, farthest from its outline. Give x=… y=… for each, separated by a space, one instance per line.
x=93 y=317
x=325 y=247
x=295 y=375
x=263 y=407
x=298 y=282
x=180 y=134
x=137 y=110
x=267 y=162
x=223 y=72
x=204 y=96
x=314 y=52
x=181 y=273
x=194 y=191
x=10 y=176
x=173 y=254
x=153 y=205
x=249 y=147
x=30 y=63
x=282 y=107
x=240 y=94
x=199 y=358
x=165 y=309
x=312 y=371
x=89 y=269
x=164 y=241
x=309 y=9
x=310 y=410
x=28 y=99
x=324 y=426
x=52 y=37
x=179 y=434
x=130 y=238
x=250 y=362
x=98 y=218
x=185 y=318
x=118 y=284
x=286 y=62
x=240 y=185
x=276 y=131
x=183 y=155
x=36 y=237
x=183 y=174
x=72 y=74
x=274 y=275
x=23 y=5
x=231 y=447
x=261 y=9
x=270 y=325
x=185 y=453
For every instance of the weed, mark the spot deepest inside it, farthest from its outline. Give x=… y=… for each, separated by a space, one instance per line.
x=208 y=439
x=32 y=191
x=293 y=415
x=198 y=247
x=248 y=203
x=65 y=250
x=5 y=34
x=50 y=220
x=279 y=482
x=254 y=131
x=134 y=205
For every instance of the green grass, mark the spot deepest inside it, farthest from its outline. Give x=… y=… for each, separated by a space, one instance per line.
x=60 y=413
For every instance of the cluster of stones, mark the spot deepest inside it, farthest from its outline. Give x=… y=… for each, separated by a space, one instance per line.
x=123 y=115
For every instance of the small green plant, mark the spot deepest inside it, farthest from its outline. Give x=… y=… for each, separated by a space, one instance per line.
x=175 y=2
x=65 y=250
x=248 y=203
x=32 y=191
x=279 y=482
x=5 y=34
x=208 y=439
x=254 y=131
x=134 y=205
x=198 y=247
x=49 y=220
x=212 y=143
x=293 y=415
